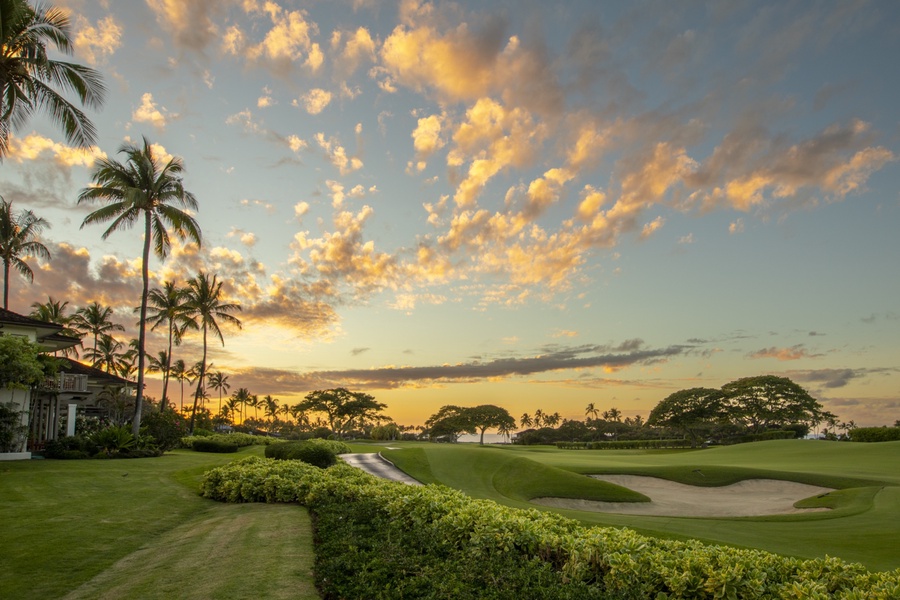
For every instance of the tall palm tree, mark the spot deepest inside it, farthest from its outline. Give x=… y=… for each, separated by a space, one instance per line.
x=591 y=411
x=219 y=381
x=178 y=370
x=167 y=306
x=54 y=311
x=142 y=188
x=525 y=420
x=95 y=319
x=241 y=398
x=160 y=364
x=206 y=305
x=18 y=240
x=29 y=78
x=106 y=354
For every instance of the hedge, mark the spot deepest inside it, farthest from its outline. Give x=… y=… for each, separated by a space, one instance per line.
x=379 y=539
x=624 y=444
x=238 y=439
x=210 y=444
x=875 y=434
x=319 y=455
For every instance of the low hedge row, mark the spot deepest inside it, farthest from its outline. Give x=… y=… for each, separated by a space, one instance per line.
x=378 y=539
x=624 y=444
x=238 y=439
x=319 y=455
x=875 y=434
x=208 y=444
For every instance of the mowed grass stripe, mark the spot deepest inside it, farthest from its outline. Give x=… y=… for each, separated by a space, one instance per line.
x=65 y=523
x=233 y=551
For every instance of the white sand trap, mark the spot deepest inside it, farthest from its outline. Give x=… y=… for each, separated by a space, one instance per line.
x=749 y=498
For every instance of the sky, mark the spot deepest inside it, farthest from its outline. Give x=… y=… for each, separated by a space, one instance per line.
x=523 y=203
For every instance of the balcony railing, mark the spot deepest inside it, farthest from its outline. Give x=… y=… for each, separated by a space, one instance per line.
x=67 y=382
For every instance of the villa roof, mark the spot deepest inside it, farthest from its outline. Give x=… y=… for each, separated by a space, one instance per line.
x=47 y=334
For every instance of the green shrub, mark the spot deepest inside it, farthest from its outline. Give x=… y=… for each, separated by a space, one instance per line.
x=166 y=428
x=314 y=453
x=12 y=431
x=112 y=440
x=875 y=434
x=67 y=447
x=336 y=446
x=210 y=444
x=379 y=539
x=625 y=445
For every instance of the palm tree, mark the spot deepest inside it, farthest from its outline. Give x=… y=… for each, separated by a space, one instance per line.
x=95 y=319
x=160 y=363
x=538 y=418
x=28 y=77
x=107 y=353
x=525 y=420
x=613 y=414
x=591 y=411
x=54 y=311
x=219 y=381
x=178 y=370
x=167 y=305
x=240 y=398
x=145 y=188
x=205 y=303
x=18 y=240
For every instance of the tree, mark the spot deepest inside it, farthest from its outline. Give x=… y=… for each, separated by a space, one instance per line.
x=767 y=402
x=30 y=79
x=343 y=408
x=205 y=302
x=692 y=411
x=20 y=364
x=160 y=364
x=241 y=397
x=613 y=414
x=167 y=305
x=591 y=411
x=450 y=421
x=18 y=241
x=96 y=320
x=488 y=416
x=54 y=311
x=142 y=188
x=106 y=354
x=178 y=370
x=219 y=381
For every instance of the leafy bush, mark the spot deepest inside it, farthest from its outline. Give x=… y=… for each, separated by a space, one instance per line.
x=112 y=440
x=166 y=428
x=378 y=539
x=875 y=434
x=12 y=430
x=318 y=454
x=210 y=444
x=68 y=447
x=238 y=439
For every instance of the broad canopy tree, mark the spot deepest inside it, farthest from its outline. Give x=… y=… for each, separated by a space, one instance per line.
x=693 y=411
x=452 y=421
x=758 y=404
x=344 y=410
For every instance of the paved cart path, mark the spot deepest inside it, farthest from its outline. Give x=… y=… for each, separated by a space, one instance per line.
x=377 y=465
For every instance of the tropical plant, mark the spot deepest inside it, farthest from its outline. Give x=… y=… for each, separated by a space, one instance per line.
x=117 y=403
x=96 y=320
x=206 y=305
x=178 y=370
x=167 y=306
x=241 y=397
x=54 y=311
x=591 y=411
x=107 y=354
x=144 y=188
x=18 y=241
x=29 y=78
x=219 y=381
x=160 y=364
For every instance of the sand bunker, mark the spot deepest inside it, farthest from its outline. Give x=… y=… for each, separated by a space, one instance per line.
x=750 y=498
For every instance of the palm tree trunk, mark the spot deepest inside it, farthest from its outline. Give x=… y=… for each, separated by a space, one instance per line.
x=142 y=326
x=164 y=403
x=199 y=383
x=5 y=284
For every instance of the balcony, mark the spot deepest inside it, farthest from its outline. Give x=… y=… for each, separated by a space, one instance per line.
x=67 y=383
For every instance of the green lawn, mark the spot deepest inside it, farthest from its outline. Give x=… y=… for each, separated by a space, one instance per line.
x=137 y=529
x=863 y=527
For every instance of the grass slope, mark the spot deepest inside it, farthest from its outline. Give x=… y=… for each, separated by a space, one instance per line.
x=863 y=526
x=137 y=529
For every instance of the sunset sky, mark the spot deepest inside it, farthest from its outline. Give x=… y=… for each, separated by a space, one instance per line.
x=524 y=203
